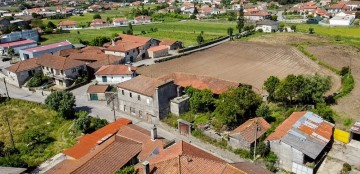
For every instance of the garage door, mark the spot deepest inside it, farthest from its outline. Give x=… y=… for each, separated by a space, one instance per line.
x=93 y=97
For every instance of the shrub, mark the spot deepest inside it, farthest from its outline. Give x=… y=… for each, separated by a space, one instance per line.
x=243 y=153
x=260 y=30
x=37 y=80
x=346 y=168
x=337 y=38
x=63 y=102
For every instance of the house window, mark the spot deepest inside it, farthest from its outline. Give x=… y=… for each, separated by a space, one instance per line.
x=139 y=97
x=133 y=51
x=122 y=92
x=124 y=108
x=127 y=53
x=132 y=110
x=74 y=70
x=140 y=113
x=130 y=94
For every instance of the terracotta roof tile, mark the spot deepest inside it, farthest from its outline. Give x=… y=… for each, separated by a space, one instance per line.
x=119 y=20
x=247 y=129
x=167 y=42
x=123 y=46
x=97 y=88
x=216 y=86
x=134 y=39
x=248 y=168
x=66 y=52
x=142 y=85
x=285 y=126
x=67 y=23
x=116 y=70
x=108 y=61
x=25 y=65
x=142 y=18
x=89 y=141
x=158 y=48
x=57 y=62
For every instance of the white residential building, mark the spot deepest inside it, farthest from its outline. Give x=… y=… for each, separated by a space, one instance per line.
x=114 y=74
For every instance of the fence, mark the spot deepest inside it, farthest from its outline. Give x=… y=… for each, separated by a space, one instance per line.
x=204 y=45
x=341 y=136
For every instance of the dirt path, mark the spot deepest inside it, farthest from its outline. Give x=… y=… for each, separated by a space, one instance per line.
x=340 y=56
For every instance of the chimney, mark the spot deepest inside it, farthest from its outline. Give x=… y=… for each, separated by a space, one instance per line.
x=146 y=167
x=153 y=133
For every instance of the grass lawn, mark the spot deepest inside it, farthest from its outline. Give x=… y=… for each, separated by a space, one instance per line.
x=27 y=116
x=182 y=31
x=289 y=17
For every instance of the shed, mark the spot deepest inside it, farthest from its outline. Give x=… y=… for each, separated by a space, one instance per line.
x=97 y=92
x=158 y=51
x=267 y=25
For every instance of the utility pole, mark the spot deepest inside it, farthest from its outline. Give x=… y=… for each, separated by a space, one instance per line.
x=113 y=107
x=11 y=134
x=7 y=92
x=256 y=130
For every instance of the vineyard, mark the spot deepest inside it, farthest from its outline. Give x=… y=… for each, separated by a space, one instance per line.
x=248 y=63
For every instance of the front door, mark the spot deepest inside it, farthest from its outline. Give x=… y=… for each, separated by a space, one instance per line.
x=93 y=97
x=104 y=78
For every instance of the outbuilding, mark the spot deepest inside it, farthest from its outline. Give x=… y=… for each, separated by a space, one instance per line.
x=158 y=51
x=43 y=49
x=267 y=26
x=17 y=45
x=97 y=92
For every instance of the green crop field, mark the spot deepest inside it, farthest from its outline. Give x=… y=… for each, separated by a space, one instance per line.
x=27 y=116
x=182 y=31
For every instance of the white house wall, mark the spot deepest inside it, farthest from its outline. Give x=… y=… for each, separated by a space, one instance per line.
x=113 y=79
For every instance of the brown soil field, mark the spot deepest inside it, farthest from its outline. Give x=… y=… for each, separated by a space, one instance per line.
x=339 y=56
x=288 y=38
x=243 y=62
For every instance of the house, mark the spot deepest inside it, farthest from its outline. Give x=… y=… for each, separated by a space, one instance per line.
x=355 y=131
x=98 y=23
x=64 y=71
x=187 y=8
x=43 y=49
x=17 y=45
x=94 y=8
x=97 y=92
x=142 y=19
x=257 y=15
x=158 y=51
x=109 y=60
x=67 y=24
x=267 y=25
x=338 y=7
x=171 y=44
x=342 y=19
x=243 y=137
x=120 y=22
x=132 y=48
x=146 y=97
x=302 y=139
x=22 y=71
x=354 y=5
x=114 y=74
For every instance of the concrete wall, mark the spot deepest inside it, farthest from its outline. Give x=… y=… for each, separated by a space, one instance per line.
x=239 y=143
x=22 y=53
x=267 y=28
x=61 y=74
x=18 y=79
x=127 y=55
x=286 y=155
x=163 y=95
x=113 y=79
x=180 y=106
x=120 y=23
x=160 y=53
x=19 y=35
x=17 y=48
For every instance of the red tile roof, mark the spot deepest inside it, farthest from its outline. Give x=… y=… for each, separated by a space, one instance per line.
x=90 y=141
x=116 y=70
x=97 y=88
x=17 y=43
x=142 y=85
x=48 y=46
x=57 y=62
x=119 y=20
x=257 y=13
x=246 y=168
x=142 y=18
x=134 y=39
x=107 y=61
x=67 y=52
x=25 y=65
x=216 y=86
x=247 y=129
x=285 y=126
x=123 y=46
x=67 y=23
x=167 y=42
x=158 y=48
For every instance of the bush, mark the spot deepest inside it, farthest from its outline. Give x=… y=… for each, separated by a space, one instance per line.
x=260 y=30
x=37 y=80
x=63 y=102
x=337 y=38
x=346 y=168
x=243 y=153
x=87 y=124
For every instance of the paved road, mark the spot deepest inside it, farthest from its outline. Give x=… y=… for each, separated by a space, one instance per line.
x=280 y=16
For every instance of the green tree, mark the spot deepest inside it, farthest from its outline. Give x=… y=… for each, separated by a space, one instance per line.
x=34 y=137
x=200 y=100
x=195 y=10
x=127 y=170
x=114 y=35
x=97 y=123
x=13 y=161
x=270 y=86
x=263 y=111
x=325 y=112
x=200 y=39
x=63 y=102
x=274 y=17
x=96 y=16
x=2 y=149
x=241 y=19
x=99 y=41
x=11 y=52
x=312 y=88
x=311 y=30
x=293 y=27
x=51 y=25
x=236 y=104
x=82 y=122
x=357 y=15
x=226 y=3
x=287 y=90
x=230 y=32
x=37 y=23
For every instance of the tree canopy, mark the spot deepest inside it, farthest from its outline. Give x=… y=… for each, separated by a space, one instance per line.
x=200 y=100
x=63 y=102
x=96 y=16
x=88 y=124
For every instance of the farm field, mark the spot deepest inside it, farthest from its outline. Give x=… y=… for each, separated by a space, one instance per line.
x=288 y=38
x=244 y=62
x=339 y=56
x=182 y=31
x=26 y=117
